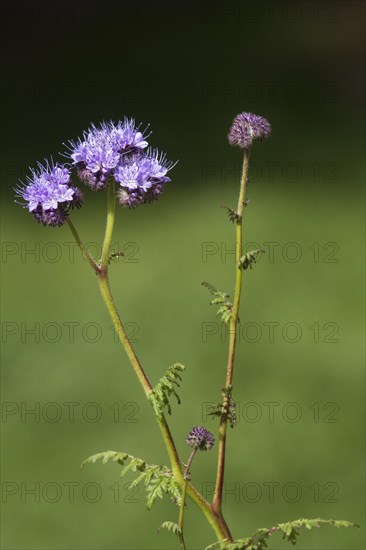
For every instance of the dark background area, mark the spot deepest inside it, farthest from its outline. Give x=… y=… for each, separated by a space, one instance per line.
x=188 y=68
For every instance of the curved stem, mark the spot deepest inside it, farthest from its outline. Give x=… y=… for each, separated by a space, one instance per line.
x=217 y=500
x=86 y=254
x=217 y=522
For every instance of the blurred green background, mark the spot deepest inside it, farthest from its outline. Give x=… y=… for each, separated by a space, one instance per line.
x=188 y=69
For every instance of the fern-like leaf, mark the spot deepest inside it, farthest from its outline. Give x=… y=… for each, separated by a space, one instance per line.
x=160 y=484
x=217 y=544
x=232 y=214
x=221 y=298
x=250 y=258
x=167 y=385
x=171 y=526
x=289 y=530
x=158 y=480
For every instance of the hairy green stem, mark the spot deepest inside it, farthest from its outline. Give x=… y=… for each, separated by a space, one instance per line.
x=181 y=516
x=184 y=492
x=109 y=227
x=217 y=522
x=217 y=500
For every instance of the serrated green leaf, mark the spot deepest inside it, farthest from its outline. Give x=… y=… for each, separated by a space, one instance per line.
x=225 y=311
x=171 y=526
x=165 y=388
x=250 y=258
x=217 y=544
x=233 y=215
x=105 y=457
x=290 y=531
x=158 y=480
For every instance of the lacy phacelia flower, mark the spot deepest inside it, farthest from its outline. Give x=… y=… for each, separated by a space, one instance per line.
x=118 y=152
x=102 y=148
x=49 y=194
x=247 y=127
x=200 y=438
x=141 y=177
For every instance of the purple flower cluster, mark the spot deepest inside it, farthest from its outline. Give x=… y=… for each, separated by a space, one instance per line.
x=247 y=127
x=99 y=152
x=110 y=152
x=119 y=152
x=200 y=438
x=49 y=195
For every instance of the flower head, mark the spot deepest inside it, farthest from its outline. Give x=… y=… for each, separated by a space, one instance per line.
x=100 y=151
x=200 y=438
x=49 y=195
x=247 y=127
x=141 y=177
x=118 y=152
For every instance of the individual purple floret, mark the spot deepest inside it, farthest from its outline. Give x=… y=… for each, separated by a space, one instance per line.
x=200 y=438
x=247 y=127
x=102 y=148
x=49 y=195
x=141 y=177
